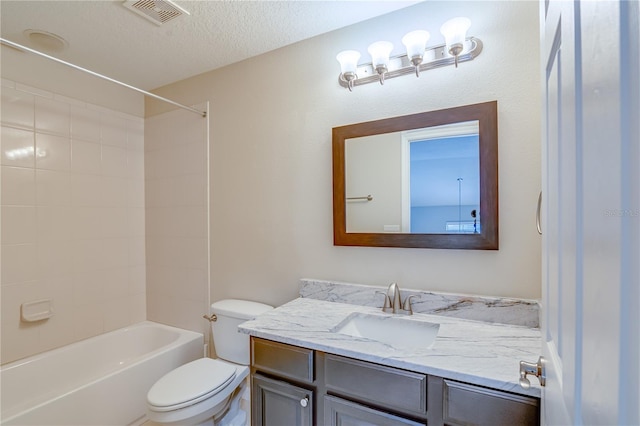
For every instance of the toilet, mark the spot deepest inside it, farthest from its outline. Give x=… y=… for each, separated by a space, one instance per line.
x=208 y=391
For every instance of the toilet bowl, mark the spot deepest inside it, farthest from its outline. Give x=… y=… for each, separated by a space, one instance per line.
x=208 y=391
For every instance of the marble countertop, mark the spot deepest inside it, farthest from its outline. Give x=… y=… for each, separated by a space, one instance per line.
x=475 y=352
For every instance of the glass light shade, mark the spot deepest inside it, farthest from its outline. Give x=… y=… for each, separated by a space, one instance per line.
x=380 y=52
x=415 y=43
x=348 y=61
x=455 y=31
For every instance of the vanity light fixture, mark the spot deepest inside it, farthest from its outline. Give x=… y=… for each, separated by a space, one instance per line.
x=418 y=57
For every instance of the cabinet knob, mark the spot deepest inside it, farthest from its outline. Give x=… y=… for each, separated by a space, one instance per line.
x=304 y=402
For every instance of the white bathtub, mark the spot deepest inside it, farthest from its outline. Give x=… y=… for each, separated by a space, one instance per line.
x=99 y=381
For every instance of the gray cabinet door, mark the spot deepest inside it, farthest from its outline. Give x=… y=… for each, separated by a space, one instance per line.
x=277 y=403
x=340 y=412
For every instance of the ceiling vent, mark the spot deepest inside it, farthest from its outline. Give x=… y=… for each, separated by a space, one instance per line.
x=157 y=11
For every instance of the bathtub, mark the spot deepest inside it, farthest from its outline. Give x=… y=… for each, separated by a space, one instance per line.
x=99 y=381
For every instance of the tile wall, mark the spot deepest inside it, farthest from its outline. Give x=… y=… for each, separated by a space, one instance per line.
x=73 y=218
x=176 y=169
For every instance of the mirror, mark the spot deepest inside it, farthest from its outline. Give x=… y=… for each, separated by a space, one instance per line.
x=427 y=180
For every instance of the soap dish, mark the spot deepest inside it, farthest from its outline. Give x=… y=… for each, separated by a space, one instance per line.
x=36 y=310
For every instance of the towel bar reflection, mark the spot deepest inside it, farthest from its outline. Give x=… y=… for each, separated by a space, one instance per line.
x=367 y=198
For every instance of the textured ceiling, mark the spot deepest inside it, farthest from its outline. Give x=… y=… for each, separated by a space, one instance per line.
x=107 y=38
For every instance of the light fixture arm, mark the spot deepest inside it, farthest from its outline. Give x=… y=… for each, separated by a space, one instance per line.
x=434 y=57
x=416 y=61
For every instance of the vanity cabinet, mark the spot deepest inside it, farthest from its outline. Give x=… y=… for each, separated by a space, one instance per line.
x=292 y=385
x=275 y=402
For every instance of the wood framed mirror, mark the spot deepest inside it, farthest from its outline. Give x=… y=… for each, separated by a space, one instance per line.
x=426 y=180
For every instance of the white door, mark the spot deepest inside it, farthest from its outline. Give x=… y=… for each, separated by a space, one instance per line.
x=591 y=212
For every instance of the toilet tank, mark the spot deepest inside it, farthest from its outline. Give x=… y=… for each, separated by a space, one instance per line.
x=230 y=344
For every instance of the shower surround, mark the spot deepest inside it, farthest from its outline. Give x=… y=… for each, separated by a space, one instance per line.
x=73 y=218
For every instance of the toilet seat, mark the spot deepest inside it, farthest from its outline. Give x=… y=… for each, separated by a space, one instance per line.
x=189 y=384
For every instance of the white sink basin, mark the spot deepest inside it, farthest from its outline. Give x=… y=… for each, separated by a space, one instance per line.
x=397 y=332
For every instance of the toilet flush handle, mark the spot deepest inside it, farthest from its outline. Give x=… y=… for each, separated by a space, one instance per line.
x=210 y=318
x=535 y=369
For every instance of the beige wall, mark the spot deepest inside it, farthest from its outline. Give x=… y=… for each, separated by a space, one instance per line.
x=373 y=165
x=271 y=119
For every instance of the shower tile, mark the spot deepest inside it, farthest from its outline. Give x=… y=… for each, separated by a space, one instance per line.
x=18 y=147
x=58 y=330
x=113 y=222
x=135 y=135
x=18 y=224
x=157 y=164
x=196 y=157
x=86 y=223
x=88 y=321
x=86 y=157
x=189 y=252
x=54 y=258
x=88 y=288
x=193 y=189
x=24 y=340
x=53 y=188
x=115 y=282
x=54 y=223
x=117 y=314
x=18 y=186
x=52 y=116
x=136 y=221
x=135 y=164
x=114 y=161
x=18 y=263
x=17 y=108
x=113 y=130
x=190 y=221
x=115 y=191
x=137 y=279
x=86 y=190
x=88 y=256
x=116 y=252
x=137 y=251
x=85 y=124
x=135 y=192
x=138 y=307
x=53 y=152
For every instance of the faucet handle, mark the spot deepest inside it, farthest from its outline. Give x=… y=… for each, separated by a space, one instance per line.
x=406 y=306
x=387 y=301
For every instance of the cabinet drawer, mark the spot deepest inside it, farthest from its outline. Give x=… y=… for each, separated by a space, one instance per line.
x=339 y=412
x=465 y=404
x=382 y=386
x=282 y=360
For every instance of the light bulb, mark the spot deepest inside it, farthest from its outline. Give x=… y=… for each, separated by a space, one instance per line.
x=415 y=42
x=455 y=33
x=379 y=52
x=348 y=66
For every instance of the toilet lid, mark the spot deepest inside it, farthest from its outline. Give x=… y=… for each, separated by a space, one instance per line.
x=190 y=383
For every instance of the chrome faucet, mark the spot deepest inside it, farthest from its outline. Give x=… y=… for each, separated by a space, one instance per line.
x=393 y=301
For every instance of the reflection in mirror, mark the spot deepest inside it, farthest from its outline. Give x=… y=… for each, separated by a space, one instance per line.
x=427 y=180
x=424 y=181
